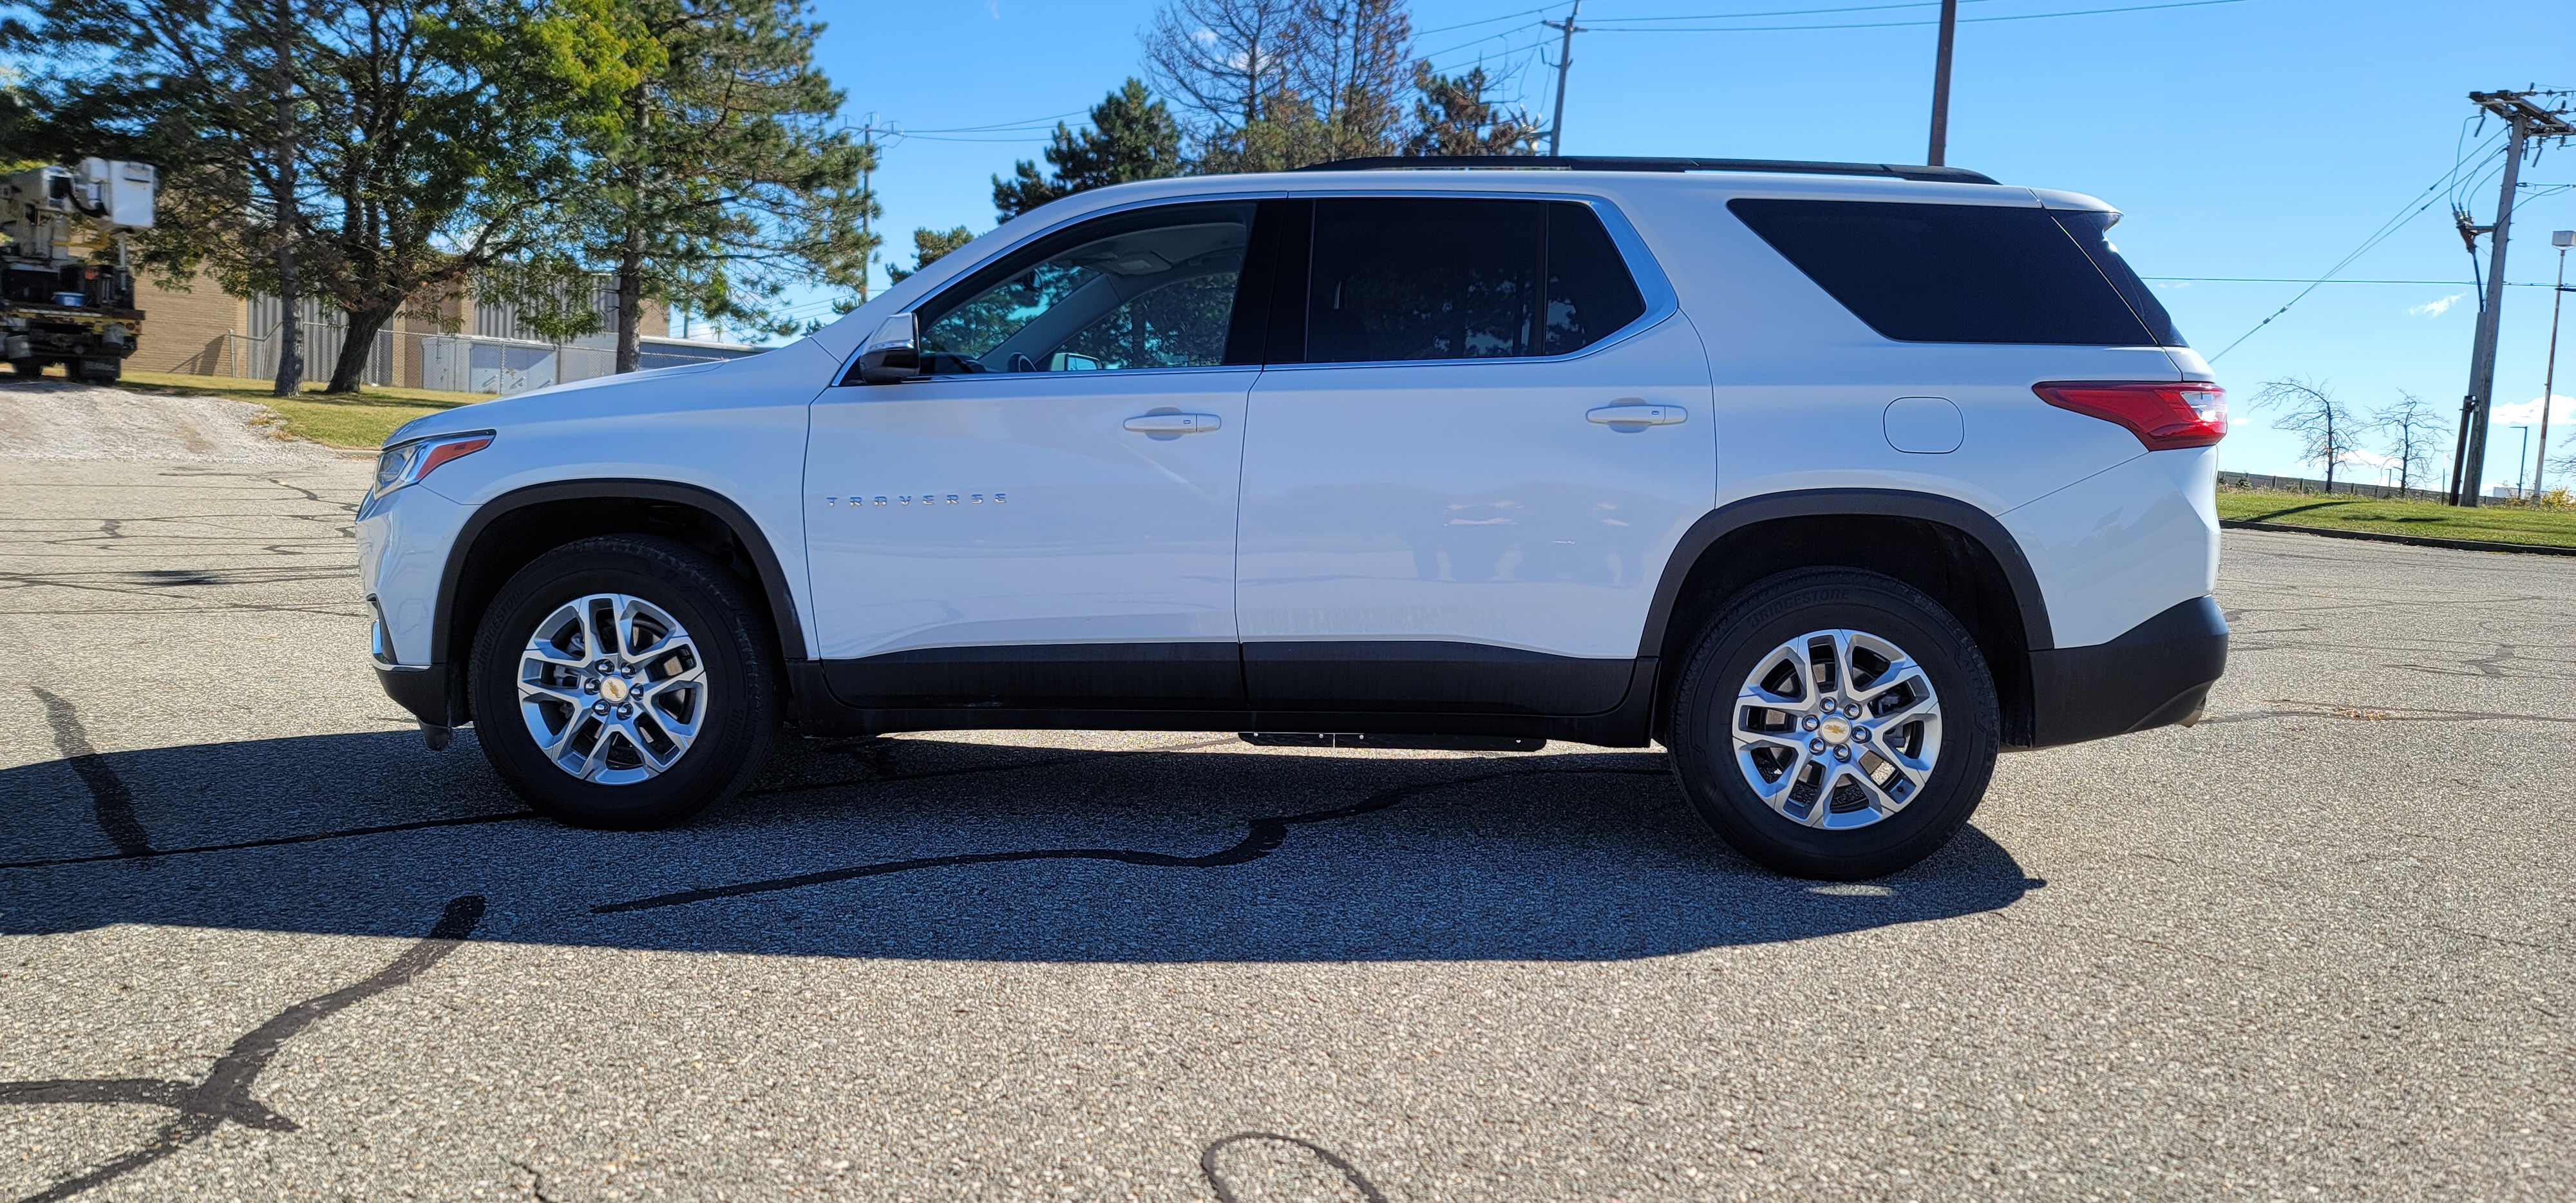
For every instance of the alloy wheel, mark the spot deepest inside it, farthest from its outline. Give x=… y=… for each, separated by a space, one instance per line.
x=1837 y=729
x=612 y=689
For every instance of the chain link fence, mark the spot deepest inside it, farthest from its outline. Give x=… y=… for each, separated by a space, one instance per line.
x=2341 y=488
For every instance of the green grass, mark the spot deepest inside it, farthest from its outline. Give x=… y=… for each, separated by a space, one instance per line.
x=2491 y=522
x=341 y=420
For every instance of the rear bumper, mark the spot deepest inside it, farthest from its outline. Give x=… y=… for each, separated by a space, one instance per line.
x=2155 y=674
x=424 y=691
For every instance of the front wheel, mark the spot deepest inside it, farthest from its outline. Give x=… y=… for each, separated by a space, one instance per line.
x=623 y=682
x=1835 y=724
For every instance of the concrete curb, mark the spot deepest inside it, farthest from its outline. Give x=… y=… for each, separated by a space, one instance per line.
x=2366 y=536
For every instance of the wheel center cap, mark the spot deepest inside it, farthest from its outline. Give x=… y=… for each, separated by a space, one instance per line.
x=1835 y=730
x=613 y=688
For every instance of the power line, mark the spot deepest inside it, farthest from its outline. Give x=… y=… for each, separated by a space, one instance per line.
x=1491 y=37
x=2088 y=12
x=1037 y=122
x=1786 y=12
x=2405 y=213
x=2289 y=280
x=1424 y=33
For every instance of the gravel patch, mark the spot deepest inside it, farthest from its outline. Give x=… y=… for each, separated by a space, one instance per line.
x=57 y=422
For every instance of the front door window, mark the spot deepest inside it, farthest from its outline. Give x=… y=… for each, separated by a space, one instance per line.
x=1148 y=290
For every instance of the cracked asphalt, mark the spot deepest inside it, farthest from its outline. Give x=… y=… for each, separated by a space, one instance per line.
x=257 y=941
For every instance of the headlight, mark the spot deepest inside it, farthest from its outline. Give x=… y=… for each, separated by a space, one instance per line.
x=405 y=464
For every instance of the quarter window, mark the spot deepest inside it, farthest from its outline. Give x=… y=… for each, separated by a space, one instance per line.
x=1966 y=273
x=1416 y=278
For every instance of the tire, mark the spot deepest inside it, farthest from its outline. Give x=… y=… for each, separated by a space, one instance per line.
x=646 y=776
x=1938 y=698
x=27 y=369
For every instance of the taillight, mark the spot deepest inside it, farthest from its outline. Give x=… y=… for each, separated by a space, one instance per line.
x=2163 y=416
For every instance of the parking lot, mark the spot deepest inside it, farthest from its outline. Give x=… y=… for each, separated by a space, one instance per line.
x=261 y=942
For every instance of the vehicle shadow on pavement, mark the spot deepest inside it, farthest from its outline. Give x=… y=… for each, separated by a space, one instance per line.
x=947 y=849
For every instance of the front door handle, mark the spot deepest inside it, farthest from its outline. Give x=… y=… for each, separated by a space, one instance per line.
x=1635 y=414
x=1173 y=423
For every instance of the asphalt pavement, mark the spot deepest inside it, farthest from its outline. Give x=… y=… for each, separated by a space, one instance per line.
x=257 y=941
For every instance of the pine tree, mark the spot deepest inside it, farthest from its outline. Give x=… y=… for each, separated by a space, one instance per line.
x=928 y=246
x=1132 y=137
x=718 y=184
x=1457 y=115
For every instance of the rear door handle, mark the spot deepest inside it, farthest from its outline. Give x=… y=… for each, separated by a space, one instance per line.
x=1631 y=414
x=1173 y=423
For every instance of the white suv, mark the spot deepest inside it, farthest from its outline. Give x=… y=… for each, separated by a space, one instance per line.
x=1836 y=479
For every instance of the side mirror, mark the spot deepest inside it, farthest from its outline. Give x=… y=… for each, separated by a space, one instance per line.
x=893 y=353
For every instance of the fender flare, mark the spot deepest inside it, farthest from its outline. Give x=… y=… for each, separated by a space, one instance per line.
x=1967 y=519
x=773 y=578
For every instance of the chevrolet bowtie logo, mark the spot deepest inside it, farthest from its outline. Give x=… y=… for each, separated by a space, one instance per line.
x=855 y=500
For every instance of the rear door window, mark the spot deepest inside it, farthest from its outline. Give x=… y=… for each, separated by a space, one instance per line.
x=1394 y=279
x=1966 y=273
x=1590 y=294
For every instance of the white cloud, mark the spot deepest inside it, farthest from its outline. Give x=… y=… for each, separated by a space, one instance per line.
x=2372 y=459
x=2562 y=409
x=2435 y=308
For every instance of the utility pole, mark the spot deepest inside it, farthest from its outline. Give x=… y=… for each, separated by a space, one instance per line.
x=2561 y=239
x=867 y=202
x=1564 y=60
x=1941 y=84
x=2524 y=118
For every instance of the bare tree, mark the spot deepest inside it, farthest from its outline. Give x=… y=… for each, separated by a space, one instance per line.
x=2412 y=427
x=1264 y=85
x=2327 y=429
x=1353 y=58
x=1222 y=62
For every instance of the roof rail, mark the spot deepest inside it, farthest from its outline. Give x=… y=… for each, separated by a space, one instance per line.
x=1944 y=175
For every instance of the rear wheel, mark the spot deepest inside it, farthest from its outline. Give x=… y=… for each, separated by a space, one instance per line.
x=623 y=682
x=1835 y=724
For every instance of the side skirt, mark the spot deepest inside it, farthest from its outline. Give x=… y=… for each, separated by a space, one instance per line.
x=817 y=711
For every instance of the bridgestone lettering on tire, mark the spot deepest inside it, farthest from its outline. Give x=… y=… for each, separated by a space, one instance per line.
x=624 y=682
x=1835 y=724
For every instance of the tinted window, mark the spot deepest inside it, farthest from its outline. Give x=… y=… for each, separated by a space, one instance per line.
x=1589 y=292
x=1423 y=279
x=1435 y=278
x=1150 y=289
x=1963 y=273
x=2091 y=232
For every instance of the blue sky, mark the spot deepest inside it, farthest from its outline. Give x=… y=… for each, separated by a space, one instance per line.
x=2246 y=139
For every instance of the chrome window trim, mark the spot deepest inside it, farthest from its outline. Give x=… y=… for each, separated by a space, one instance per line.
x=1019 y=244
x=1662 y=302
